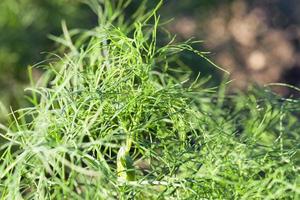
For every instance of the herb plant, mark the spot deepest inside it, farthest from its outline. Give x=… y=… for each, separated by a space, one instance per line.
x=118 y=116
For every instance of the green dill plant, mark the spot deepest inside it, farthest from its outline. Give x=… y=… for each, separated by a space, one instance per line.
x=117 y=116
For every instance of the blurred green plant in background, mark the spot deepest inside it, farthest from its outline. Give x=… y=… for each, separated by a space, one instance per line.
x=24 y=26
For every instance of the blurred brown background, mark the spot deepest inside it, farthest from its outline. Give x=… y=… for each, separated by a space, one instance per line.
x=256 y=40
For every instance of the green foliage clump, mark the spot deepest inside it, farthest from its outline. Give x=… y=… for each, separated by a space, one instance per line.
x=116 y=122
